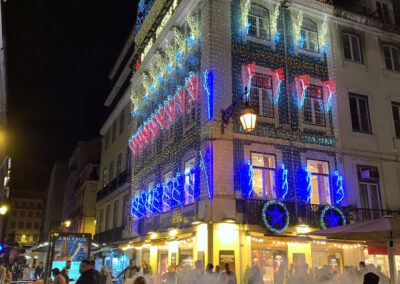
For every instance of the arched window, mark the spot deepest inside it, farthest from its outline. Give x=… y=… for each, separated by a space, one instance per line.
x=258 y=19
x=352 y=47
x=309 y=36
x=392 y=57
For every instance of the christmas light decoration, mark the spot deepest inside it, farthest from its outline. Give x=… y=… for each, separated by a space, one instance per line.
x=208 y=84
x=334 y=219
x=277 y=219
x=284 y=181
x=309 y=188
x=250 y=193
x=274 y=23
x=277 y=82
x=193 y=24
x=245 y=5
x=250 y=73
x=144 y=7
x=330 y=89
x=323 y=35
x=298 y=39
x=207 y=171
x=302 y=83
x=189 y=182
x=338 y=187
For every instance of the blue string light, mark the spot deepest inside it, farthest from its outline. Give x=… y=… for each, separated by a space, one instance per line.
x=284 y=180
x=206 y=175
x=280 y=216
x=250 y=193
x=189 y=182
x=208 y=82
x=338 y=186
x=332 y=219
x=309 y=185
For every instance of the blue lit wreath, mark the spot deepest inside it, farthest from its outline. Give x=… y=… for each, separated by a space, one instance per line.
x=275 y=216
x=334 y=219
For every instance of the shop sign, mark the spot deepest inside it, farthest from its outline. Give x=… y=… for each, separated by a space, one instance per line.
x=227 y=256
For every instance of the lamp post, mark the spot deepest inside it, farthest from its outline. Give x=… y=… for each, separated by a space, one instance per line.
x=248 y=116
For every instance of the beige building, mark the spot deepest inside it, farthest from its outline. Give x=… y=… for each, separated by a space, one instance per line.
x=24 y=221
x=113 y=196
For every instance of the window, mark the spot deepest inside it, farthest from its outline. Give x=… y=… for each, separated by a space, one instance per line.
x=368 y=180
x=314 y=106
x=383 y=12
x=121 y=121
x=392 y=58
x=111 y=171
x=20 y=225
x=351 y=47
x=119 y=164
x=115 y=216
x=264 y=173
x=12 y=225
x=396 y=118
x=30 y=213
x=128 y=158
x=189 y=182
x=107 y=139
x=309 y=36
x=167 y=184
x=29 y=225
x=128 y=110
x=101 y=220
x=125 y=213
x=36 y=226
x=114 y=131
x=258 y=20
x=21 y=213
x=108 y=212
x=105 y=172
x=261 y=95
x=321 y=193
x=360 y=119
x=38 y=214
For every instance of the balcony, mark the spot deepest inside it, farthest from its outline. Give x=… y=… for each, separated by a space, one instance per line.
x=114 y=184
x=109 y=236
x=308 y=213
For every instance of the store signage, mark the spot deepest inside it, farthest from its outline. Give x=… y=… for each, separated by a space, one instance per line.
x=227 y=256
x=166 y=115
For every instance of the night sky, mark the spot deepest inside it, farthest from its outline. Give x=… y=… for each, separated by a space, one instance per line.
x=59 y=54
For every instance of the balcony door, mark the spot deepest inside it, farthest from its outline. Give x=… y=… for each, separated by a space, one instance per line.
x=370 y=199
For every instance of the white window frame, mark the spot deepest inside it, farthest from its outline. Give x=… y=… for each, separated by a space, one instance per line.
x=358 y=97
x=391 y=47
x=350 y=37
x=313 y=113
x=327 y=175
x=268 y=31
x=306 y=45
x=265 y=169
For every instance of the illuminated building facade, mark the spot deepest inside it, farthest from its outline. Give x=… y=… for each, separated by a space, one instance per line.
x=205 y=189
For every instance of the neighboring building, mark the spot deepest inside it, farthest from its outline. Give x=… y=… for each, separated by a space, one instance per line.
x=53 y=210
x=81 y=187
x=25 y=219
x=205 y=189
x=113 y=196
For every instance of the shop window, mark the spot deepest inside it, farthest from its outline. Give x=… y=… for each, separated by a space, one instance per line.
x=321 y=192
x=396 y=118
x=309 y=36
x=392 y=58
x=261 y=95
x=352 y=47
x=370 y=199
x=189 y=182
x=264 y=175
x=115 y=215
x=359 y=110
x=271 y=262
x=258 y=19
x=167 y=185
x=314 y=106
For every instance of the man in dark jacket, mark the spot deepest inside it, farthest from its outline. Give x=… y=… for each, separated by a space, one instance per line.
x=65 y=272
x=39 y=271
x=88 y=275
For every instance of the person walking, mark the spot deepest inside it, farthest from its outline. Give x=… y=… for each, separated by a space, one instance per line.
x=65 y=272
x=96 y=272
x=58 y=277
x=210 y=277
x=228 y=276
x=129 y=272
x=8 y=277
x=3 y=272
x=88 y=275
x=39 y=271
x=105 y=276
x=255 y=277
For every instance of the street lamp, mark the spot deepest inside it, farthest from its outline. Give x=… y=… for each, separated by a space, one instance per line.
x=67 y=223
x=248 y=116
x=3 y=209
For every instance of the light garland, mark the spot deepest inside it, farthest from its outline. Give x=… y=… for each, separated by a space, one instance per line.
x=338 y=187
x=330 y=89
x=309 y=188
x=297 y=30
x=274 y=23
x=302 y=83
x=323 y=35
x=332 y=219
x=276 y=216
x=284 y=180
x=278 y=79
x=208 y=84
x=203 y=167
x=250 y=73
x=250 y=174
x=245 y=5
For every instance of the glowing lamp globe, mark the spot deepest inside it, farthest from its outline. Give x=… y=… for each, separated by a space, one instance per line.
x=248 y=118
x=3 y=209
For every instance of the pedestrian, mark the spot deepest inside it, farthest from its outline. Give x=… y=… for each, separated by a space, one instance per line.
x=129 y=272
x=218 y=269
x=3 y=272
x=88 y=275
x=105 y=276
x=65 y=271
x=371 y=278
x=180 y=275
x=15 y=271
x=255 y=277
x=170 y=276
x=145 y=268
x=228 y=276
x=210 y=277
x=8 y=278
x=96 y=272
x=58 y=277
x=39 y=271
x=140 y=280
x=197 y=274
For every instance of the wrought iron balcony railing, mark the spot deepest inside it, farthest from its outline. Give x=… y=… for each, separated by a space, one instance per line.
x=109 y=236
x=121 y=179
